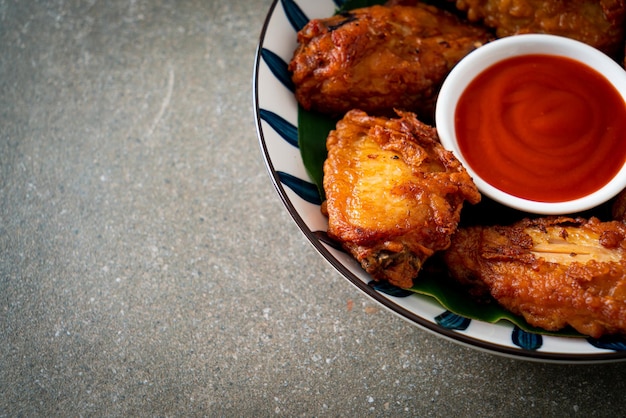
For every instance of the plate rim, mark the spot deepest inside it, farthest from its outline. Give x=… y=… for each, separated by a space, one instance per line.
x=411 y=317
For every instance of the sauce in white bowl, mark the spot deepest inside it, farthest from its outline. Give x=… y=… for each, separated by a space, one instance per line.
x=539 y=122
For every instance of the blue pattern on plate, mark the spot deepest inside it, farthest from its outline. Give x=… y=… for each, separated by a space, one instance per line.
x=389 y=289
x=609 y=343
x=304 y=189
x=278 y=67
x=285 y=129
x=323 y=237
x=451 y=320
x=526 y=340
x=296 y=17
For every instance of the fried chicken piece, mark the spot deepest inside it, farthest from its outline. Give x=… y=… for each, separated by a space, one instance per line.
x=379 y=58
x=554 y=271
x=394 y=194
x=599 y=23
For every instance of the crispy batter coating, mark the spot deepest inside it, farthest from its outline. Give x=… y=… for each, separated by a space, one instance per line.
x=379 y=58
x=554 y=271
x=394 y=194
x=599 y=23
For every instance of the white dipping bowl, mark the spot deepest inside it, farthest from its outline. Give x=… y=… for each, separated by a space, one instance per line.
x=485 y=56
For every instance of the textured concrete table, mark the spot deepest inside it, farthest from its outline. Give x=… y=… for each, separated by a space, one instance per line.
x=147 y=267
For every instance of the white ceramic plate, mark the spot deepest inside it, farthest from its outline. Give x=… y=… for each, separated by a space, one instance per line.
x=277 y=123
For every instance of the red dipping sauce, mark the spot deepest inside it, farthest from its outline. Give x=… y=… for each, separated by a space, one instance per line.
x=542 y=127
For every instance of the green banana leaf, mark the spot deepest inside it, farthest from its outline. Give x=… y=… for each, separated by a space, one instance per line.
x=313 y=128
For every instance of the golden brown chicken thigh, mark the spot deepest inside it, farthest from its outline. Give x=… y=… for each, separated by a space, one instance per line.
x=394 y=194
x=599 y=23
x=379 y=58
x=553 y=271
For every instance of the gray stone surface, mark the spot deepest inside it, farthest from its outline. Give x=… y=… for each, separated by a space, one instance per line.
x=148 y=268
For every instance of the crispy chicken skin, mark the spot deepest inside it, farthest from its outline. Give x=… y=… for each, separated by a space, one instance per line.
x=393 y=193
x=599 y=23
x=554 y=271
x=379 y=58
